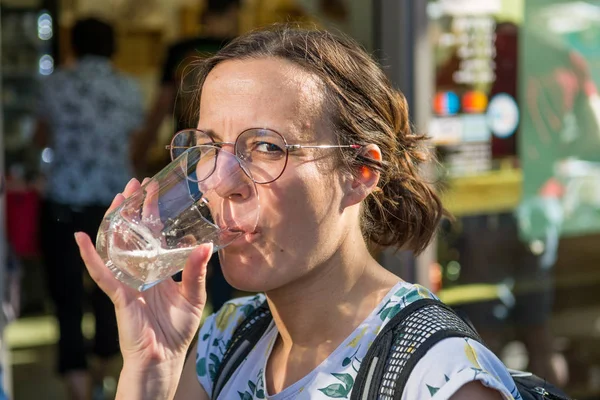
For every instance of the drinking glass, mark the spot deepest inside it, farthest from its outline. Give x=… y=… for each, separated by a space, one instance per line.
x=205 y=195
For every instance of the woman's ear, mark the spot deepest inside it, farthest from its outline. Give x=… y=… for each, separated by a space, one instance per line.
x=365 y=179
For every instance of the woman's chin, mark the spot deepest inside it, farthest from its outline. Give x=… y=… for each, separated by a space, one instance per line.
x=247 y=277
x=247 y=284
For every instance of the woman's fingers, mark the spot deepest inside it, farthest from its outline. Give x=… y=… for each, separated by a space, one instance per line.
x=119 y=198
x=95 y=266
x=150 y=209
x=131 y=187
x=193 y=282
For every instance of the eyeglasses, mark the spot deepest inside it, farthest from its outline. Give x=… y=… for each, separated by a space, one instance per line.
x=264 y=152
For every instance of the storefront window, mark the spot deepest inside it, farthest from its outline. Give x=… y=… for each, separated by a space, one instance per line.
x=516 y=120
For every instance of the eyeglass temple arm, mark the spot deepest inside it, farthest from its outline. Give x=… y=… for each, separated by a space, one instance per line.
x=323 y=146
x=289 y=146
x=169 y=147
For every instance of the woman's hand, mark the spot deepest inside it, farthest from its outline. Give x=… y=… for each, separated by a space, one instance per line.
x=156 y=326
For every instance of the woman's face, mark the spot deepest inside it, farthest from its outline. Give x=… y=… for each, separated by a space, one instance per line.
x=305 y=214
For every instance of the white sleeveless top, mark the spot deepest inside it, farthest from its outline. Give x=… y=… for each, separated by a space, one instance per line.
x=444 y=369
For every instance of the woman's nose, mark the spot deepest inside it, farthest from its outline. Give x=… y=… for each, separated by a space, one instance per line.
x=228 y=180
x=230 y=193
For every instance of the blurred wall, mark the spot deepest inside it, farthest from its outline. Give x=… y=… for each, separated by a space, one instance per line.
x=359 y=23
x=164 y=14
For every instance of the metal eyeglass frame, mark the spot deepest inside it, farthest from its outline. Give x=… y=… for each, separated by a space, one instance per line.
x=288 y=147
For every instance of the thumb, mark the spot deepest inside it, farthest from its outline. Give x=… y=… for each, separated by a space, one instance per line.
x=193 y=282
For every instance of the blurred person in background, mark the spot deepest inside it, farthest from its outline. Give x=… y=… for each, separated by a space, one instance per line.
x=87 y=114
x=220 y=22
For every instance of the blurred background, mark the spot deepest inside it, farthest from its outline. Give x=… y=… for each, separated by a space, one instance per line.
x=507 y=90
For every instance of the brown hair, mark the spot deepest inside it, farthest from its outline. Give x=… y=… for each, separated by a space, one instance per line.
x=364 y=108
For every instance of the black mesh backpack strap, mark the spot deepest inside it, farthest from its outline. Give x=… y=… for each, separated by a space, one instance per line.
x=385 y=369
x=402 y=342
x=242 y=342
x=429 y=323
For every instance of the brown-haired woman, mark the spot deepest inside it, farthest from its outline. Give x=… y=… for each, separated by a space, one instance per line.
x=344 y=174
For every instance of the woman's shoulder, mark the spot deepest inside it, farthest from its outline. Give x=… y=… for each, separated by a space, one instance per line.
x=449 y=364
x=411 y=292
x=455 y=362
x=400 y=296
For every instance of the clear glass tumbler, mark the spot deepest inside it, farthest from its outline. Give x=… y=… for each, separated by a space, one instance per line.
x=205 y=195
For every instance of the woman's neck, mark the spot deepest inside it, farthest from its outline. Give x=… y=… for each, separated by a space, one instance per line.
x=327 y=304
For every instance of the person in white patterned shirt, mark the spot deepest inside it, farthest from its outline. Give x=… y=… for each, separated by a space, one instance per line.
x=86 y=115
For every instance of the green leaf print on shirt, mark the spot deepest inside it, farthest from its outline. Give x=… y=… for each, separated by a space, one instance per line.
x=337 y=390
x=405 y=295
x=346 y=379
x=249 y=395
x=402 y=292
x=418 y=292
x=207 y=335
x=245 y=396
x=352 y=359
x=201 y=367
x=218 y=348
x=248 y=309
x=395 y=310
x=389 y=311
x=257 y=389
x=214 y=367
x=432 y=390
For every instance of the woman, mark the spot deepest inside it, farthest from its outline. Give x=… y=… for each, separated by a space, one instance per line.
x=348 y=179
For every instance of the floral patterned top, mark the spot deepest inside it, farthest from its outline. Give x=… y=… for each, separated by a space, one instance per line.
x=444 y=369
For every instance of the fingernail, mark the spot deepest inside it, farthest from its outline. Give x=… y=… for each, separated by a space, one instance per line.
x=77 y=236
x=132 y=180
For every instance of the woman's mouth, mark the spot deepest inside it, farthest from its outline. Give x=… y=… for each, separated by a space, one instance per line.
x=238 y=235
x=235 y=229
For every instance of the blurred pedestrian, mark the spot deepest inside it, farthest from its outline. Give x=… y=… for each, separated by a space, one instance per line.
x=220 y=21
x=86 y=115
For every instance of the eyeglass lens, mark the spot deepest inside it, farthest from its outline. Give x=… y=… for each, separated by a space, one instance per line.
x=263 y=152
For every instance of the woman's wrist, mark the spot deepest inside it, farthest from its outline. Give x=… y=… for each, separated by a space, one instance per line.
x=157 y=381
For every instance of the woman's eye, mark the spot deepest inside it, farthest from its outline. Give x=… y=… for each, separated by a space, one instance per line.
x=265 y=147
